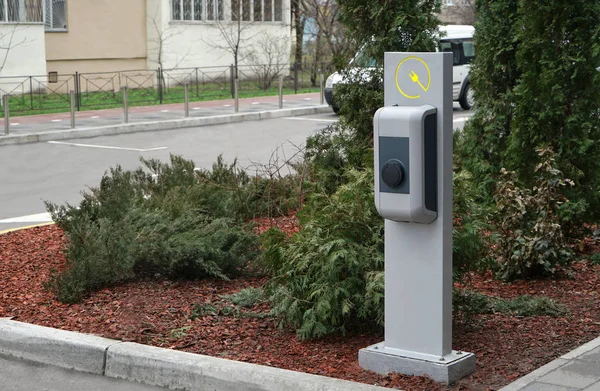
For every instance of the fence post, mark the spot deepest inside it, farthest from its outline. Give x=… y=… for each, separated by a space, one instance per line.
x=296 y=66
x=186 y=99
x=78 y=89
x=73 y=97
x=125 y=105
x=31 y=91
x=322 y=87
x=281 y=92
x=160 y=85
x=232 y=82
x=197 y=92
x=6 y=115
x=236 y=88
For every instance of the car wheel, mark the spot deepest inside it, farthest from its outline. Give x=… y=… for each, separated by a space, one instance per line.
x=467 y=100
x=335 y=109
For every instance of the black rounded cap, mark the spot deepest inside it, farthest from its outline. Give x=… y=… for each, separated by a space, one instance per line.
x=392 y=173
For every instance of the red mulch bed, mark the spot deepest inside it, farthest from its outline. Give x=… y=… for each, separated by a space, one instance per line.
x=158 y=313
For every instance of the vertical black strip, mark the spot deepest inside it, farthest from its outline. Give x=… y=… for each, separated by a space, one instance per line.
x=430 y=154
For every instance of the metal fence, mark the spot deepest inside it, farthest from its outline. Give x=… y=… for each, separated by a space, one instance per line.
x=52 y=93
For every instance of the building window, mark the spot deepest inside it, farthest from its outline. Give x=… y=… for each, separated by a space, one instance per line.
x=28 y=11
x=257 y=10
x=56 y=15
x=197 y=10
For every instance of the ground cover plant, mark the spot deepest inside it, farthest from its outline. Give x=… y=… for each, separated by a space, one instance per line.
x=164 y=219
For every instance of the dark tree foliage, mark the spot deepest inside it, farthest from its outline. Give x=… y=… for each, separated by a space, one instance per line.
x=536 y=85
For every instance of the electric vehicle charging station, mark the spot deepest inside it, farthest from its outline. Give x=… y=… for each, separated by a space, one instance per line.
x=413 y=193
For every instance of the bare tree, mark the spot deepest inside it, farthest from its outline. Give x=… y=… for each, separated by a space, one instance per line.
x=299 y=22
x=460 y=12
x=161 y=40
x=328 y=35
x=236 y=38
x=269 y=58
x=8 y=42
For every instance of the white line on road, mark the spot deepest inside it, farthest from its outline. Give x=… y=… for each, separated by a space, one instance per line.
x=107 y=147
x=196 y=108
x=462 y=119
x=307 y=98
x=255 y=103
x=226 y=105
x=95 y=116
x=311 y=119
x=37 y=218
x=164 y=111
x=15 y=124
x=56 y=120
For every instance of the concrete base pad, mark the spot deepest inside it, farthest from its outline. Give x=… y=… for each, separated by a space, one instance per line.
x=454 y=367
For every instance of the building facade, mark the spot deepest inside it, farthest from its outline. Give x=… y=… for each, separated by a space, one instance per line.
x=39 y=37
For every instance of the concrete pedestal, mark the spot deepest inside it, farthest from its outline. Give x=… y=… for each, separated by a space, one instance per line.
x=447 y=369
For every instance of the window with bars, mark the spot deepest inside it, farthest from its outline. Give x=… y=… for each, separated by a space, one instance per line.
x=28 y=11
x=56 y=15
x=257 y=10
x=198 y=10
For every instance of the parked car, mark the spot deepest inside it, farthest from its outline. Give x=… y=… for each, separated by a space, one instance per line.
x=457 y=39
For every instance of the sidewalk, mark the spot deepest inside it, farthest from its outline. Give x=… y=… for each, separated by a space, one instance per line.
x=45 y=127
x=578 y=370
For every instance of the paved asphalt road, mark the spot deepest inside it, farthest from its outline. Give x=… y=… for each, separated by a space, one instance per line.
x=17 y=375
x=58 y=171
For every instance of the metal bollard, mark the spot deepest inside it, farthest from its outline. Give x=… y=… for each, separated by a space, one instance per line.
x=6 y=115
x=186 y=99
x=72 y=109
x=281 y=92
x=236 y=92
x=322 y=89
x=125 y=106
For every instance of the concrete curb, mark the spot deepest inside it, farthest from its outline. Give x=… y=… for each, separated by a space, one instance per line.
x=155 y=366
x=6 y=231
x=158 y=125
x=551 y=366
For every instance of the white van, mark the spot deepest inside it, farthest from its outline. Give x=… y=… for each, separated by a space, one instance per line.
x=457 y=39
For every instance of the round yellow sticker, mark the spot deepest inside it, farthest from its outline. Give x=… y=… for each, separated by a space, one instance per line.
x=409 y=77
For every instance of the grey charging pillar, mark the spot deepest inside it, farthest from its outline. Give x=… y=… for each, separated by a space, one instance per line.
x=413 y=192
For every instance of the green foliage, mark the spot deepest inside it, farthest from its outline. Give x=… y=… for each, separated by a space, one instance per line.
x=528 y=237
x=595 y=259
x=246 y=298
x=326 y=275
x=379 y=27
x=468 y=303
x=469 y=247
x=529 y=306
x=179 y=223
x=332 y=151
x=391 y=26
x=536 y=85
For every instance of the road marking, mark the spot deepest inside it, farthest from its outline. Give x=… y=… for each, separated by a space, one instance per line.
x=15 y=124
x=164 y=111
x=56 y=120
x=107 y=147
x=196 y=108
x=463 y=119
x=37 y=218
x=307 y=98
x=226 y=105
x=255 y=103
x=311 y=119
x=95 y=116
